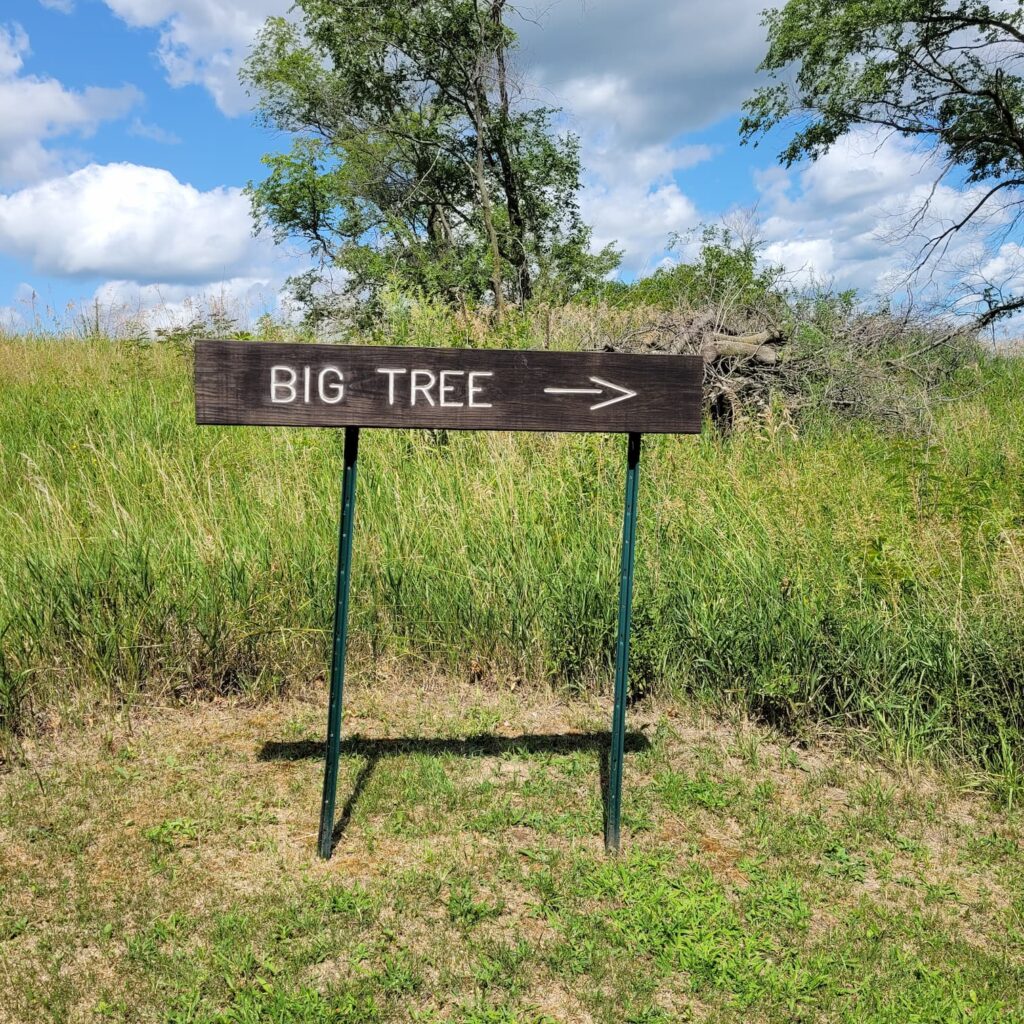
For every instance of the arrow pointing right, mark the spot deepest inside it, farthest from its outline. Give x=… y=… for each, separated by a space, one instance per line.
x=623 y=394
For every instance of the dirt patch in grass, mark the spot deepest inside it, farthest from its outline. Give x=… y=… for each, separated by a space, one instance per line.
x=168 y=860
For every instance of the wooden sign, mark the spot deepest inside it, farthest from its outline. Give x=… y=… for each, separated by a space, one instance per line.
x=353 y=386
x=256 y=383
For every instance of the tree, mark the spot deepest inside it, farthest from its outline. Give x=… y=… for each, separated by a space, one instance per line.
x=944 y=73
x=410 y=163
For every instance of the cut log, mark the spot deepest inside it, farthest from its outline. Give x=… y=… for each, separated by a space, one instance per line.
x=760 y=338
x=725 y=347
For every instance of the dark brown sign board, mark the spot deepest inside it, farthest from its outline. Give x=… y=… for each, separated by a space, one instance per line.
x=264 y=384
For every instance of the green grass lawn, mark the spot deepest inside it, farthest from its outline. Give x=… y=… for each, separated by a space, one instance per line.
x=161 y=867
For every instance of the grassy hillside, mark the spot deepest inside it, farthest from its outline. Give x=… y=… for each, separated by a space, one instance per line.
x=844 y=575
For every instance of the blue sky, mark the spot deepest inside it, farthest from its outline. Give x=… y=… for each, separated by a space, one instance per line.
x=91 y=46
x=179 y=129
x=125 y=139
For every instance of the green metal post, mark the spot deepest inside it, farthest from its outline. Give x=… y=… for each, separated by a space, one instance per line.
x=348 y=511
x=611 y=821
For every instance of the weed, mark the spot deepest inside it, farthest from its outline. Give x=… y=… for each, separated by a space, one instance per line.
x=464 y=909
x=679 y=792
x=842 y=864
x=173 y=834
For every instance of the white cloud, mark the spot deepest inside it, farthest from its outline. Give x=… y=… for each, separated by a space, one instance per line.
x=122 y=308
x=203 y=42
x=835 y=219
x=634 y=79
x=633 y=200
x=648 y=70
x=36 y=109
x=13 y=47
x=144 y=130
x=639 y=220
x=241 y=299
x=849 y=219
x=179 y=296
x=26 y=309
x=62 y=6
x=129 y=222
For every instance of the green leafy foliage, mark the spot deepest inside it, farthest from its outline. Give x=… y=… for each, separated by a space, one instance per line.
x=725 y=270
x=410 y=165
x=942 y=74
x=464 y=909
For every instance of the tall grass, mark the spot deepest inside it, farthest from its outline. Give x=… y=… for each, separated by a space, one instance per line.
x=843 y=575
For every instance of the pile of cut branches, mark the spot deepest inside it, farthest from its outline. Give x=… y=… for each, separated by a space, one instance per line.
x=741 y=370
x=875 y=366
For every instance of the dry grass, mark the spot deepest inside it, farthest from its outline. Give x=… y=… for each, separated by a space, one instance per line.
x=162 y=867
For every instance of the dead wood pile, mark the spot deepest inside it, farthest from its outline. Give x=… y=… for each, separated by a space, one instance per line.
x=877 y=366
x=741 y=370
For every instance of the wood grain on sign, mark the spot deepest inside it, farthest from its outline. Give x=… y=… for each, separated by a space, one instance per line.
x=261 y=384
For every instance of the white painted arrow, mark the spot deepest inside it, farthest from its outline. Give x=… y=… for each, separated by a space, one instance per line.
x=623 y=394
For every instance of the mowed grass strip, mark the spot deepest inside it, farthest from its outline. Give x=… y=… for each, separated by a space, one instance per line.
x=163 y=869
x=837 y=574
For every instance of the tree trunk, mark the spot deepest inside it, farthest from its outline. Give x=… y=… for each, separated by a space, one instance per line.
x=510 y=179
x=486 y=209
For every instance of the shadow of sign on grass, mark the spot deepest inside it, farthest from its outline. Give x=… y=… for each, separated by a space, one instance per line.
x=479 y=745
